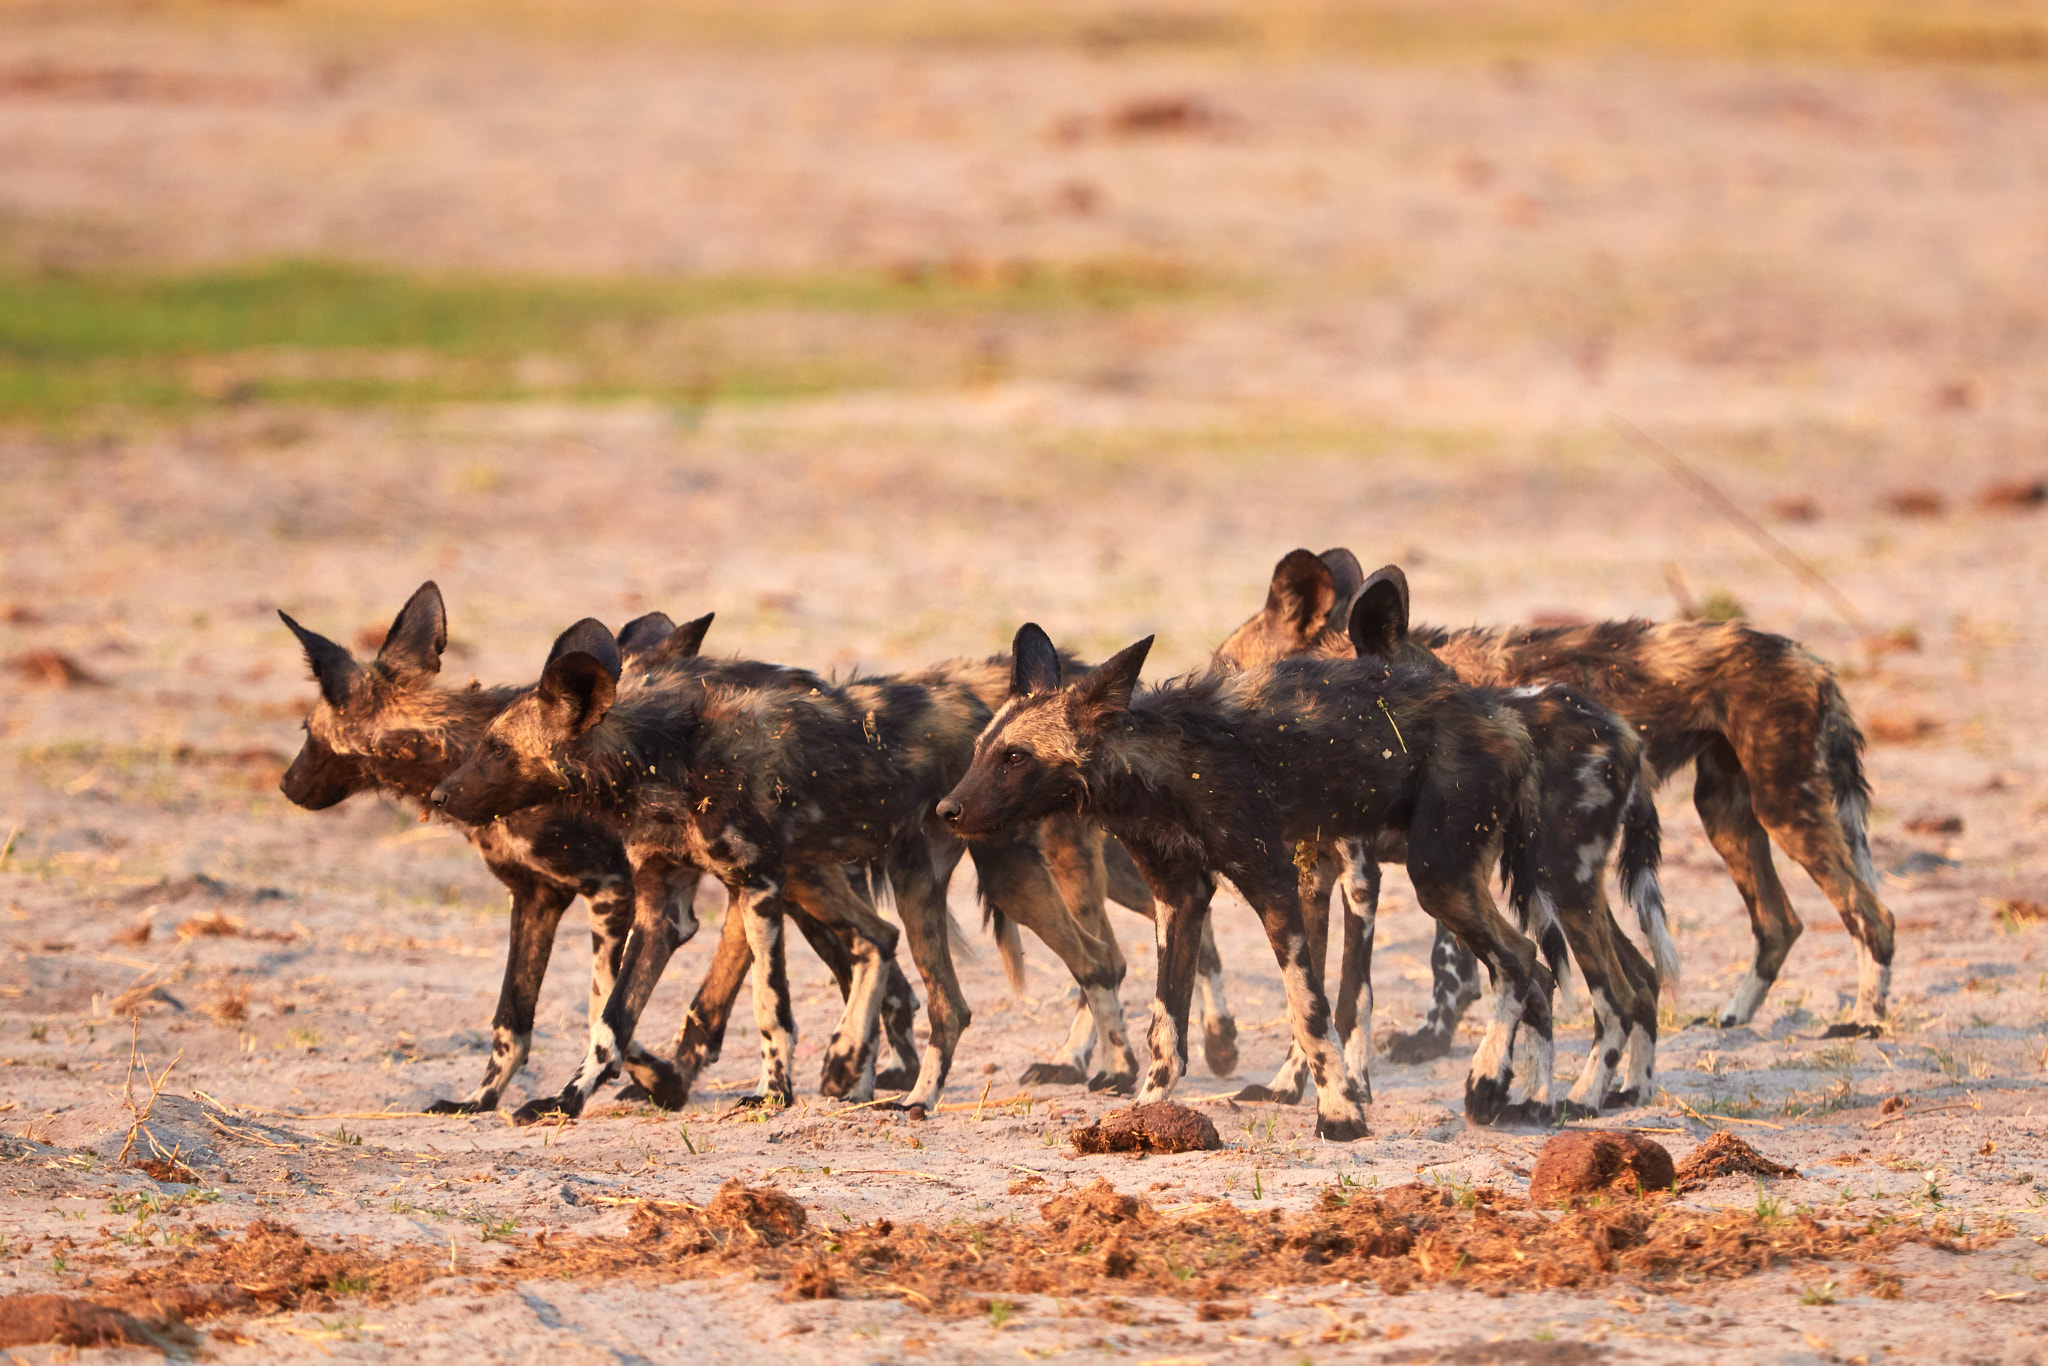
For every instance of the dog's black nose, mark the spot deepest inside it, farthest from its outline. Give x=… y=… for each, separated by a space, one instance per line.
x=439 y=796
x=949 y=811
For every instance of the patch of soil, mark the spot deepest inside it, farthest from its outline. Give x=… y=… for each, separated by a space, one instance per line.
x=1162 y=1127
x=1726 y=1155
x=1094 y=1240
x=277 y=1267
x=1582 y=1162
x=70 y=1321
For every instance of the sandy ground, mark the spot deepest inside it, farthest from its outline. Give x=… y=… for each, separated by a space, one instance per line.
x=1827 y=287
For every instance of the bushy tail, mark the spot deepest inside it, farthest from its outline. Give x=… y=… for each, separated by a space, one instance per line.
x=1841 y=754
x=1009 y=947
x=1642 y=849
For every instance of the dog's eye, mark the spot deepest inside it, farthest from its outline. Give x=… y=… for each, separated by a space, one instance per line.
x=1014 y=756
x=495 y=747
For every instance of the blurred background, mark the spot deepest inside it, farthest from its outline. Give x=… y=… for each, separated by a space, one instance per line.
x=881 y=328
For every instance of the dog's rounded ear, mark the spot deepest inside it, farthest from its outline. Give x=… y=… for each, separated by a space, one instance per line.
x=419 y=633
x=334 y=668
x=589 y=636
x=582 y=677
x=1036 y=664
x=1379 y=616
x=1301 y=593
x=1347 y=576
x=1109 y=688
x=642 y=636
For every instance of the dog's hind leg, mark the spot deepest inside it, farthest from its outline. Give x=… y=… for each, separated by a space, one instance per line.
x=1817 y=843
x=1722 y=796
x=1641 y=1061
x=899 y=1002
x=1340 y=1102
x=1219 y=1028
x=1316 y=882
x=1359 y=887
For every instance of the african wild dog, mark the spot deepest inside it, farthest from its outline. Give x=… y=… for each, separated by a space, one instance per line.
x=1775 y=750
x=1084 y=868
x=388 y=728
x=1593 y=794
x=1225 y=775
x=758 y=787
x=1090 y=869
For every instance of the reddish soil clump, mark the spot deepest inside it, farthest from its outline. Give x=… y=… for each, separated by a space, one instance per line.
x=1588 y=1162
x=1726 y=1155
x=1162 y=1127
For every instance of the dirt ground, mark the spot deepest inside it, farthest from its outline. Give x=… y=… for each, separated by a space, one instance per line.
x=1441 y=284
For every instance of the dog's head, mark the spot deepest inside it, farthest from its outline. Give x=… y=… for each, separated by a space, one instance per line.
x=371 y=725
x=1032 y=759
x=1306 y=607
x=524 y=757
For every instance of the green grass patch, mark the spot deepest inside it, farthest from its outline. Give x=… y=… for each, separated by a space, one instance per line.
x=328 y=333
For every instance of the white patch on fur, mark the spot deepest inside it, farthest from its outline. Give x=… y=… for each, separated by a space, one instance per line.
x=857 y=1036
x=1749 y=994
x=1646 y=894
x=1215 y=1006
x=1596 y=787
x=1592 y=861
x=1641 y=1063
x=778 y=1044
x=1596 y=1077
x=1080 y=1044
x=1873 y=987
x=1292 y=1074
x=1165 y=1070
x=1108 y=1016
x=1542 y=913
x=1493 y=1057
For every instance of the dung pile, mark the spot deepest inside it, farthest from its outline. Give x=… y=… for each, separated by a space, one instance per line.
x=1582 y=1162
x=1161 y=1127
x=1724 y=1154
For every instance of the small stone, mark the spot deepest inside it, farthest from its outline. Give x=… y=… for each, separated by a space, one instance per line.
x=1598 y=1161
